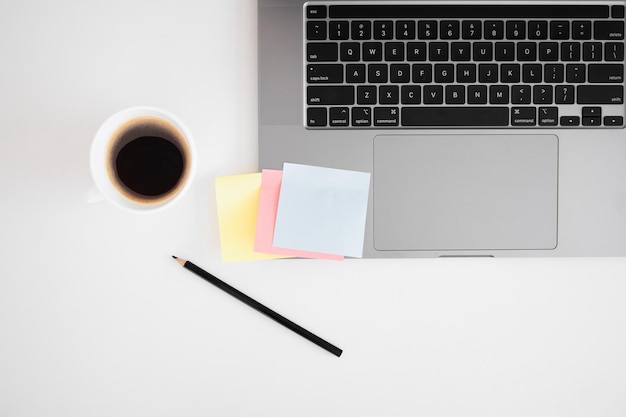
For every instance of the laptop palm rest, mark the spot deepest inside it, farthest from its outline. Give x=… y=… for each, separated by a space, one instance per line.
x=465 y=192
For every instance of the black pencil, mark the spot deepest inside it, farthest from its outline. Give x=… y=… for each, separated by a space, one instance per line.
x=259 y=307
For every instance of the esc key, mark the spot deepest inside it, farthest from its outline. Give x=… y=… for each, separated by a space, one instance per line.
x=316 y=12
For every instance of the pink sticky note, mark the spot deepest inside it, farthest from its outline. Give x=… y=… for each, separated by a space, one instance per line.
x=266 y=219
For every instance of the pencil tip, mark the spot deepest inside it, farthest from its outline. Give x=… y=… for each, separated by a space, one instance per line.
x=175 y=257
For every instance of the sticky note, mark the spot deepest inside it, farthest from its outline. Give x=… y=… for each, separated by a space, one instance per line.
x=322 y=210
x=237 y=207
x=266 y=219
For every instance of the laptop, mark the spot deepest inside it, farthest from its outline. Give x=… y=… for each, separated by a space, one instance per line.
x=489 y=128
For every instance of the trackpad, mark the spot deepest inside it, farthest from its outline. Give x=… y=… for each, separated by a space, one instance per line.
x=465 y=192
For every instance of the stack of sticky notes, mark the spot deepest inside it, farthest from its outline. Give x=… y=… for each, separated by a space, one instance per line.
x=302 y=211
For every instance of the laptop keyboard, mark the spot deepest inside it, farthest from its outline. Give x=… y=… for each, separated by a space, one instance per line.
x=415 y=65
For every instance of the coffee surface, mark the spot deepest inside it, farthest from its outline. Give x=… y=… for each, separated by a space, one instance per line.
x=150 y=165
x=148 y=160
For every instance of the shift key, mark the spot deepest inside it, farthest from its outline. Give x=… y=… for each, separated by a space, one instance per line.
x=330 y=95
x=600 y=94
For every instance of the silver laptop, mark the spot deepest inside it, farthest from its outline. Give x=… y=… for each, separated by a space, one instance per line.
x=489 y=128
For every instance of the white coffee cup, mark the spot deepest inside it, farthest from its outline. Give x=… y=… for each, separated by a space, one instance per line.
x=142 y=159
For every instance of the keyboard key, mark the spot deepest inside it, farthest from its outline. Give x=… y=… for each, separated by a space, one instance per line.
x=377 y=73
x=411 y=94
x=455 y=116
x=523 y=116
x=494 y=29
x=416 y=51
x=472 y=29
x=477 y=94
x=575 y=73
x=488 y=73
x=564 y=94
x=438 y=51
x=592 y=121
x=386 y=116
x=455 y=94
x=400 y=73
x=394 y=51
x=405 y=29
x=444 y=73
x=316 y=30
x=614 y=51
x=361 y=116
x=383 y=29
x=460 y=51
x=538 y=29
x=581 y=30
x=331 y=95
x=427 y=29
x=559 y=29
x=322 y=52
x=527 y=51
x=433 y=94
x=570 y=51
x=355 y=73
x=450 y=29
x=542 y=94
x=516 y=29
x=499 y=94
x=466 y=73
x=592 y=111
x=548 y=116
x=325 y=73
x=613 y=120
x=520 y=94
x=605 y=73
x=366 y=94
x=339 y=30
x=570 y=121
x=548 y=51
x=339 y=116
x=316 y=12
x=483 y=51
x=617 y=12
x=510 y=73
x=600 y=94
x=592 y=51
x=316 y=117
x=608 y=30
x=372 y=51
x=505 y=51
x=361 y=30
x=350 y=51
x=532 y=73
x=422 y=73
x=554 y=73
x=389 y=94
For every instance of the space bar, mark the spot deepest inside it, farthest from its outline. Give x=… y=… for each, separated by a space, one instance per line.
x=455 y=116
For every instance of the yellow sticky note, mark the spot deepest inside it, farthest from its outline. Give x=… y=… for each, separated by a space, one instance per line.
x=237 y=208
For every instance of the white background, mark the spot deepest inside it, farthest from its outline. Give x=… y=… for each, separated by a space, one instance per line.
x=96 y=319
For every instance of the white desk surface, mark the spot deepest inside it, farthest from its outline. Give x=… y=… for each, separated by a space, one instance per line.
x=96 y=319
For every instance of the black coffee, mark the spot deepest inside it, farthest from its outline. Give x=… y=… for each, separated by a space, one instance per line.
x=149 y=165
x=148 y=160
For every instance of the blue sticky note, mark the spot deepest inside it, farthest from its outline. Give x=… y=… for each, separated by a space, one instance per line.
x=322 y=210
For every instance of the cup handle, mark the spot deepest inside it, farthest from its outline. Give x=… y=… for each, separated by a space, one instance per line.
x=93 y=196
